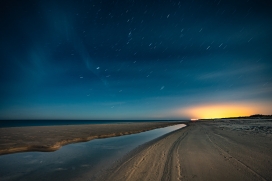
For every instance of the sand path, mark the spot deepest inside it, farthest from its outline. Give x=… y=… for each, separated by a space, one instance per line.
x=202 y=151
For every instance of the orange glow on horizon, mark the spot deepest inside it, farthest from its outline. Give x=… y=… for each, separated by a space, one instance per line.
x=211 y=111
x=193 y=119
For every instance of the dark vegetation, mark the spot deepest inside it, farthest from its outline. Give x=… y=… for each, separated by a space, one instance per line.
x=254 y=116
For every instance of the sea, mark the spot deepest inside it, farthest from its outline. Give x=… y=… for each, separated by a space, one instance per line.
x=23 y=123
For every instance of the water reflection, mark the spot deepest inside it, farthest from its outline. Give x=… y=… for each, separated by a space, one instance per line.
x=74 y=161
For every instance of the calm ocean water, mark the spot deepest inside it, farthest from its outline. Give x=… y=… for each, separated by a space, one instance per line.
x=21 y=123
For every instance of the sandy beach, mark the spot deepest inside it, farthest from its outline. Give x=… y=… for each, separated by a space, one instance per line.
x=239 y=149
x=204 y=150
x=51 y=138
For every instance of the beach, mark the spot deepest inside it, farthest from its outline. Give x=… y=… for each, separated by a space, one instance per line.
x=52 y=138
x=224 y=149
x=204 y=150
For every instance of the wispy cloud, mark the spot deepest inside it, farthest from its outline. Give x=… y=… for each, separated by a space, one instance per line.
x=234 y=72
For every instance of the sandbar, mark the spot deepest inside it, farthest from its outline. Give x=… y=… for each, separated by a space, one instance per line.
x=51 y=138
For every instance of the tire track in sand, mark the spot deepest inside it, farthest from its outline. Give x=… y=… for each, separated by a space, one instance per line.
x=148 y=162
x=235 y=159
x=170 y=161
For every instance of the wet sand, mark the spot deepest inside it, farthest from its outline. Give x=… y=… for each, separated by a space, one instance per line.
x=51 y=138
x=204 y=150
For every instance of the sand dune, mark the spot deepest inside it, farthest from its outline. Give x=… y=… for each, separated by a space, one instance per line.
x=205 y=150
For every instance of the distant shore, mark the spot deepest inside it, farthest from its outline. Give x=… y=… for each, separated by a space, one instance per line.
x=51 y=138
x=229 y=149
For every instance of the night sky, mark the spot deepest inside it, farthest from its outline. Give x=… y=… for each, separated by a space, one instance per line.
x=133 y=59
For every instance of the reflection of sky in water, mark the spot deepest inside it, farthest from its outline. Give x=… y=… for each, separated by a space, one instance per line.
x=80 y=160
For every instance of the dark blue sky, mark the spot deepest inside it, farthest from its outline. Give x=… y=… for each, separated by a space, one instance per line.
x=91 y=59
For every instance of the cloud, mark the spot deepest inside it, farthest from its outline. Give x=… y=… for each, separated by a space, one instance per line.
x=251 y=69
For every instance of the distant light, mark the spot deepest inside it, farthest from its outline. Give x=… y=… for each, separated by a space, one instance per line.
x=98 y=68
x=81 y=77
x=194 y=119
x=218 y=110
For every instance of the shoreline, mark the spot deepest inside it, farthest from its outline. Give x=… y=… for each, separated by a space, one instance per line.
x=52 y=138
x=203 y=150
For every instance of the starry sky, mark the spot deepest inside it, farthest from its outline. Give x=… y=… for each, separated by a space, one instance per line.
x=135 y=59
